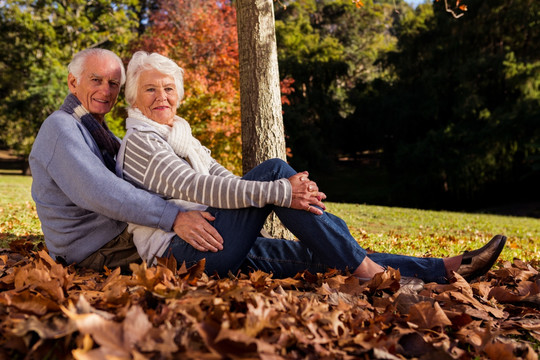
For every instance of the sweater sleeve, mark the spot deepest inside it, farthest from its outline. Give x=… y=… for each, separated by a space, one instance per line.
x=218 y=170
x=83 y=178
x=151 y=163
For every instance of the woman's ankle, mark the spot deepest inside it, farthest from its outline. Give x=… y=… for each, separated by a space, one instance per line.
x=367 y=269
x=452 y=264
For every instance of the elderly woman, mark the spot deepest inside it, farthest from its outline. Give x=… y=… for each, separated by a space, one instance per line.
x=160 y=154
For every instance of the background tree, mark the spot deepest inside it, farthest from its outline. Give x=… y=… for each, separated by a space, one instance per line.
x=38 y=40
x=262 y=123
x=327 y=47
x=458 y=122
x=201 y=35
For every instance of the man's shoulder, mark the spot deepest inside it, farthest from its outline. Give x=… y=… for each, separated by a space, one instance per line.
x=60 y=123
x=60 y=119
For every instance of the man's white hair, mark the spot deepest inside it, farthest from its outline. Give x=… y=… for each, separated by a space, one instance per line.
x=142 y=61
x=76 y=66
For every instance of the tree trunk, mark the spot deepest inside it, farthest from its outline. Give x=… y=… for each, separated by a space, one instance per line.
x=263 y=135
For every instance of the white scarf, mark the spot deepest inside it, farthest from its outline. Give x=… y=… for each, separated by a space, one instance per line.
x=180 y=138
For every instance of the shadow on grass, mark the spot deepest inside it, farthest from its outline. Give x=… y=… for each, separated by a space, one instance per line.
x=8 y=240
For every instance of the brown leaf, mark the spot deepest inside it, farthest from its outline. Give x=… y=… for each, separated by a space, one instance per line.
x=51 y=328
x=524 y=290
x=27 y=301
x=427 y=315
x=352 y=286
x=387 y=280
x=404 y=302
x=468 y=299
x=498 y=351
x=106 y=333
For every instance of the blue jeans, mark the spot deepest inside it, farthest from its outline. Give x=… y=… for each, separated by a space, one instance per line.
x=325 y=241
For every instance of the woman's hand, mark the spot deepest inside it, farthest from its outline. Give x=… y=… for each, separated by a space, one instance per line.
x=305 y=194
x=194 y=228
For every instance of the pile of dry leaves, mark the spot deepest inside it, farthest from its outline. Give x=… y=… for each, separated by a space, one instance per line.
x=51 y=311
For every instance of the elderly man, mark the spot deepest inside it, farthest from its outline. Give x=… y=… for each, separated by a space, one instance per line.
x=82 y=205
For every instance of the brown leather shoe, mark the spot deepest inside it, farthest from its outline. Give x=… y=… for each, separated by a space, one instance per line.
x=478 y=262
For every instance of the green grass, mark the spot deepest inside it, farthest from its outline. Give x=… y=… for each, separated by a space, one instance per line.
x=18 y=217
x=437 y=233
x=379 y=228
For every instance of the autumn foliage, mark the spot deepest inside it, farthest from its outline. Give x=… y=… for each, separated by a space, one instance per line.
x=201 y=37
x=162 y=312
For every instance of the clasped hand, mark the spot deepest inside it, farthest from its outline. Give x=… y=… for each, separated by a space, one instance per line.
x=305 y=194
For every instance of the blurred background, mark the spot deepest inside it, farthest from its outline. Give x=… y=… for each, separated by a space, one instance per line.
x=384 y=102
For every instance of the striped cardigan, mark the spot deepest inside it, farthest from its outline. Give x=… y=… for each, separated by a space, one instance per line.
x=148 y=161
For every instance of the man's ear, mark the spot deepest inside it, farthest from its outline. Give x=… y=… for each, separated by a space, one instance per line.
x=72 y=84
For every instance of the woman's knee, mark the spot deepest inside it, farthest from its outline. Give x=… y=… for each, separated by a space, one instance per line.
x=278 y=167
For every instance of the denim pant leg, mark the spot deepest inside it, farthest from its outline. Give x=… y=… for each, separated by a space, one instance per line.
x=282 y=258
x=239 y=229
x=326 y=235
x=427 y=269
x=324 y=239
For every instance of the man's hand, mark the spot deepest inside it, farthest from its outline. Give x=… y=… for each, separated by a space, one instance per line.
x=194 y=228
x=305 y=194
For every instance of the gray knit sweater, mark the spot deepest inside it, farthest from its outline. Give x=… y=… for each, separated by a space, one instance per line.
x=81 y=204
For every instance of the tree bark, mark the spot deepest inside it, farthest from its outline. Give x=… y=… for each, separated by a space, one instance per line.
x=263 y=135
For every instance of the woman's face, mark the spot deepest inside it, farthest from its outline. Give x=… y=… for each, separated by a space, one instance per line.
x=157 y=96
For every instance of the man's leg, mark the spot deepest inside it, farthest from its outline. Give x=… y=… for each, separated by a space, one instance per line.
x=119 y=252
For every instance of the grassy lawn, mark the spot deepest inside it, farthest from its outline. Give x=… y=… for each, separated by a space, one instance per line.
x=379 y=228
x=53 y=312
x=18 y=217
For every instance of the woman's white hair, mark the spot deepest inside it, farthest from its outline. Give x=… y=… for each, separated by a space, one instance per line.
x=76 y=66
x=142 y=61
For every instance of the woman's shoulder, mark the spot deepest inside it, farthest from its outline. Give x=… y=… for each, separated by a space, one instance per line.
x=145 y=139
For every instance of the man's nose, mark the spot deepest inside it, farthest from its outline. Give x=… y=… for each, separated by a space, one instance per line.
x=107 y=88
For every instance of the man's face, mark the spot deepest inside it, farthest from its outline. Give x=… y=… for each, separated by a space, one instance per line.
x=98 y=86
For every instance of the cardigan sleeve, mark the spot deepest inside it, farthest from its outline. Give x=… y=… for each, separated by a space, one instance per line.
x=151 y=163
x=218 y=170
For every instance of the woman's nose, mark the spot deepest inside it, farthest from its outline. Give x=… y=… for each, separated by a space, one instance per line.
x=161 y=94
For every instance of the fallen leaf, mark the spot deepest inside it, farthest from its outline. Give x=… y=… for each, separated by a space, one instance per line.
x=428 y=315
